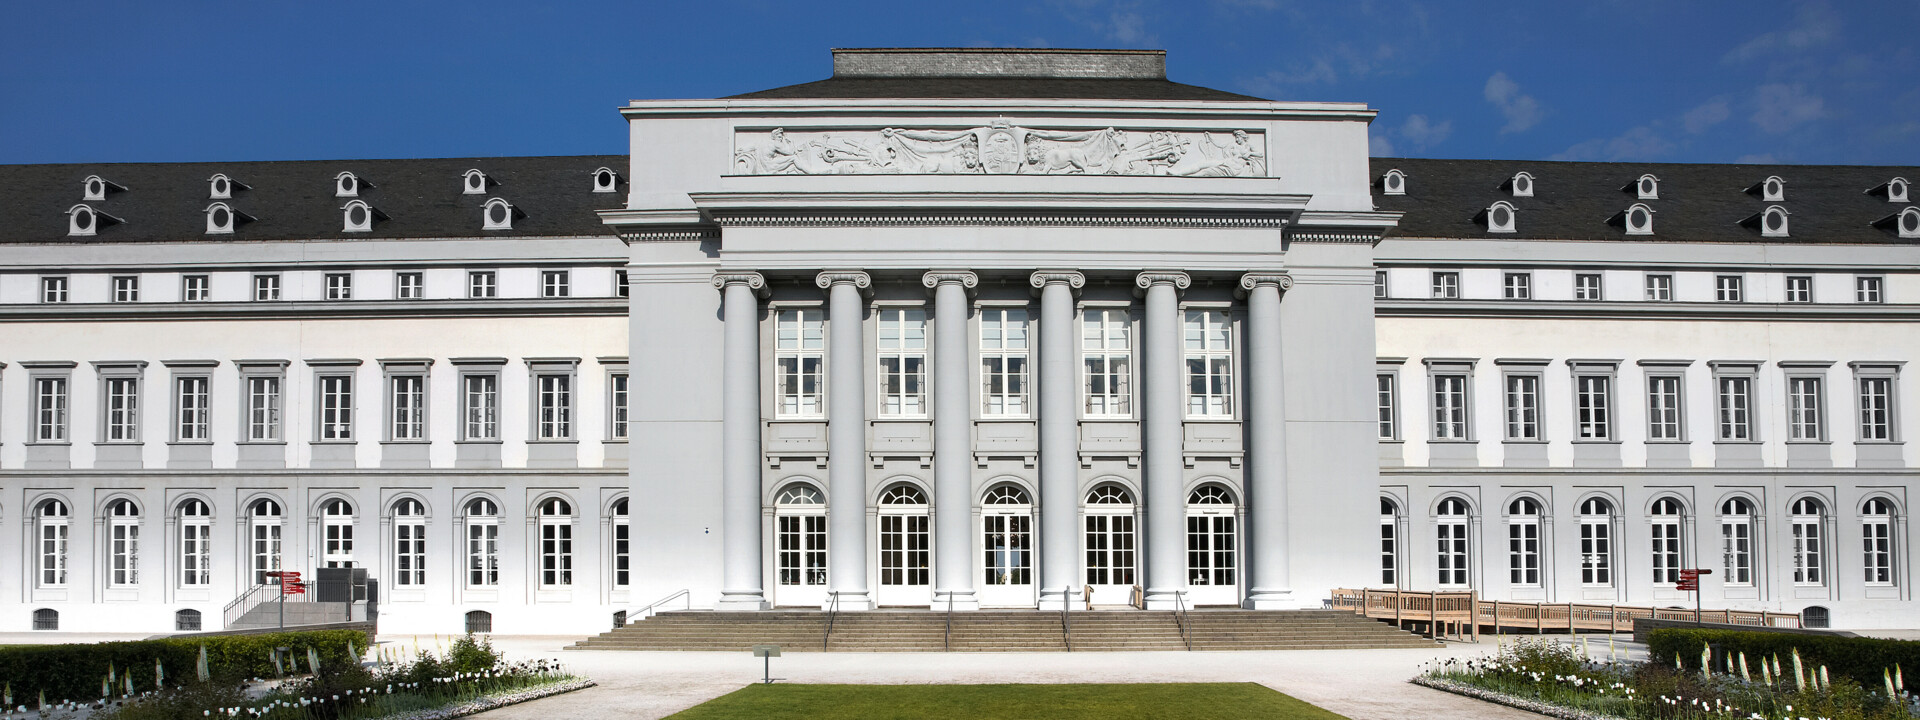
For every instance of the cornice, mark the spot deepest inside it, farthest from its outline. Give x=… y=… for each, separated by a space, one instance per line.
x=1591 y=310
x=998 y=219
x=309 y=310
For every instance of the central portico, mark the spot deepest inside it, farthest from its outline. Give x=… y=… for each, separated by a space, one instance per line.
x=1012 y=351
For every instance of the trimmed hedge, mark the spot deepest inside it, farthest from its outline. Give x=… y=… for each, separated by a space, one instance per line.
x=74 y=671
x=1860 y=659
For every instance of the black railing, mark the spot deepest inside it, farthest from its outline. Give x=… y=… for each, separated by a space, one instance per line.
x=1066 y=617
x=1180 y=617
x=833 y=608
x=946 y=643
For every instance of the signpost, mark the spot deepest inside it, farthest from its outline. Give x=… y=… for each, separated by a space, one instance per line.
x=1690 y=582
x=290 y=584
x=769 y=652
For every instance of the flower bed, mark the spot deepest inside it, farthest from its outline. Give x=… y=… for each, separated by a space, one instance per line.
x=1554 y=679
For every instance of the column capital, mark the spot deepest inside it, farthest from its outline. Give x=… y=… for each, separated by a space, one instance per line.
x=966 y=279
x=1146 y=280
x=1279 y=280
x=1073 y=279
x=753 y=280
x=857 y=278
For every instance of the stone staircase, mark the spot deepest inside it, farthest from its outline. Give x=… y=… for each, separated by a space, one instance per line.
x=1004 y=631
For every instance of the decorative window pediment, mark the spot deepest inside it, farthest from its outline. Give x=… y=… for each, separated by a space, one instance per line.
x=348 y=185
x=1772 y=189
x=96 y=188
x=1393 y=183
x=1894 y=190
x=1636 y=219
x=1645 y=188
x=499 y=214
x=84 y=221
x=1499 y=217
x=222 y=219
x=605 y=180
x=476 y=183
x=1520 y=185
x=1771 y=222
x=221 y=187
x=358 y=216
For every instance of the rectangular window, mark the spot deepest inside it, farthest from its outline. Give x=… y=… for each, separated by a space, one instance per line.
x=1517 y=286
x=1389 y=551
x=1523 y=551
x=480 y=404
x=622 y=287
x=336 y=407
x=1726 y=288
x=195 y=288
x=263 y=409
x=1736 y=408
x=1666 y=550
x=1876 y=409
x=799 y=359
x=903 y=361
x=1799 y=288
x=408 y=407
x=556 y=554
x=124 y=539
x=53 y=289
x=1003 y=362
x=622 y=553
x=339 y=286
x=190 y=407
x=1107 y=360
x=617 y=406
x=554 y=284
x=1663 y=407
x=122 y=398
x=1736 y=548
x=1809 y=567
x=1805 y=420
x=1586 y=286
x=483 y=284
x=1523 y=407
x=1446 y=285
x=409 y=285
x=483 y=552
x=1449 y=407
x=1866 y=289
x=266 y=287
x=1386 y=396
x=409 y=552
x=1209 y=354
x=1596 y=550
x=53 y=552
x=554 y=418
x=196 y=552
x=1593 y=406
x=1451 y=546
x=126 y=288
x=1379 y=284
x=1876 y=533
x=50 y=409
x=1660 y=288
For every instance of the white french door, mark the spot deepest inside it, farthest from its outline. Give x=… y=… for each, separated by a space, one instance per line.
x=1213 y=557
x=905 y=559
x=1006 y=537
x=800 y=559
x=1111 y=555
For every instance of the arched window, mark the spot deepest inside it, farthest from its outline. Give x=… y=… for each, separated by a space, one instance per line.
x=46 y=619
x=53 y=525
x=409 y=543
x=1389 y=543
x=336 y=528
x=196 y=544
x=483 y=544
x=1523 y=543
x=1809 y=563
x=1876 y=530
x=186 y=621
x=800 y=537
x=1596 y=543
x=264 y=523
x=1736 y=541
x=903 y=494
x=1450 y=528
x=1109 y=536
x=1006 y=495
x=556 y=543
x=1212 y=537
x=1815 y=616
x=1665 y=529
x=479 y=621
x=123 y=544
x=622 y=545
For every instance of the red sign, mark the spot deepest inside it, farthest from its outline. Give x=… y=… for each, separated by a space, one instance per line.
x=1688 y=585
x=293 y=588
x=284 y=575
x=1695 y=574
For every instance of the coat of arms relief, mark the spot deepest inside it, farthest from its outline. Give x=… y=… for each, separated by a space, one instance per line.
x=1002 y=149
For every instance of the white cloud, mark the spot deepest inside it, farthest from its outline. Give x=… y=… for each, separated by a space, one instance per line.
x=1780 y=107
x=1639 y=144
x=1121 y=21
x=1342 y=62
x=1379 y=146
x=1816 y=24
x=1522 y=110
x=1424 y=133
x=1707 y=115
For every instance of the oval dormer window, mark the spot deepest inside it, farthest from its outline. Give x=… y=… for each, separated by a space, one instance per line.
x=1647 y=187
x=1910 y=223
x=475 y=184
x=498 y=215
x=96 y=188
x=1897 y=190
x=83 y=219
x=1639 y=218
x=1394 y=182
x=357 y=215
x=346 y=185
x=1774 y=189
x=221 y=217
x=220 y=186
x=605 y=180
x=1523 y=185
x=1776 y=222
x=1500 y=218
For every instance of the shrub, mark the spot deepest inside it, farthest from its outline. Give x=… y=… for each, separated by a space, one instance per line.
x=1859 y=659
x=471 y=654
x=74 y=671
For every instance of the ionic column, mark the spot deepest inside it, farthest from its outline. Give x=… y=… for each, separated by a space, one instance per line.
x=846 y=436
x=1059 y=437
x=740 y=453
x=1266 y=445
x=1163 y=443
x=952 y=440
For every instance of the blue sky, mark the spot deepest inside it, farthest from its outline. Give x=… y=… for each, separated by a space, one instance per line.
x=1760 y=81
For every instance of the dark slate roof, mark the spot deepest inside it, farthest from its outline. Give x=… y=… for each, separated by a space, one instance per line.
x=974 y=87
x=295 y=200
x=1698 y=203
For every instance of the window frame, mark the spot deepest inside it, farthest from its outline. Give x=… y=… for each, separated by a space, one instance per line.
x=1808 y=541
x=1513 y=417
x=196 y=288
x=327 y=378
x=1881 y=373
x=266 y=287
x=409 y=285
x=123 y=424
x=191 y=421
x=397 y=428
x=1880 y=549
x=555 y=556
x=52 y=543
x=1797 y=289
x=125 y=288
x=336 y=286
x=1008 y=354
x=1870 y=289
x=55 y=289
x=1729 y=288
x=1437 y=369
x=1655 y=375
x=265 y=551
x=1744 y=573
x=900 y=393
x=336 y=548
x=556 y=379
x=792 y=403
x=1589 y=287
x=481 y=557
x=1387 y=401
x=483 y=284
x=195 y=543
x=1597 y=542
x=619 y=401
x=409 y=538
x=1380 y=285
x=1457 y=570
x=489 y=370
x=1445 y=285
x=1524 y=543
x=1659 y=287
x=1110 y=347
x=1222 y=387
x=123 y=544
x=1805 y=389
x=1516 y=285
x=50 y=403
x=1667 y=555
x=1595 y=411
x=556 y=283
x=1747 y=374
x=263 y=372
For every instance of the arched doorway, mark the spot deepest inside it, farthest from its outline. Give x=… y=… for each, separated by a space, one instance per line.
x=905 y=548
x=1006 y=541
x=800 y=546
x=1213 y=547
x=1111 y=547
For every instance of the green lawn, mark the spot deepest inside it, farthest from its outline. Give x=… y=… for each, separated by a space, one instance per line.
x=1171 y=701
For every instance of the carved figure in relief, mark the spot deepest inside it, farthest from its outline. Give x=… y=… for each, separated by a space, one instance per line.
x=1003 y=149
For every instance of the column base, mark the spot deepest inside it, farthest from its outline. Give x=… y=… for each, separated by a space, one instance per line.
x=741 y=601
x=1271 y=599
x=1166 y=599
x=1058 y=598
x=963 y=601
x=850 y=601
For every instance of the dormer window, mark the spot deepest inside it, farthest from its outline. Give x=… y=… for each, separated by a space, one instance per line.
x=476 y=183
x=499 y=214
x=1772 y=189
x=222 y=219
x=360 y=217
x=1646 y=188
x=605 y=180
x=1498 y=217
x=1393 y=183
x=1521 y=185
x=221 y=187
x=1637 y=220
x=84 y=221
x=347 y=184
x=1906 y=223
x=1771 y=222
x=1894 y=190
x=95 y=188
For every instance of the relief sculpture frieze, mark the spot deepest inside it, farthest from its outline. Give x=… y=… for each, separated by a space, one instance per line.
x=1001 y=149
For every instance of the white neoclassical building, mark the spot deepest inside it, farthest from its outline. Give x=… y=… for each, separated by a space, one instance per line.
x=970 y=328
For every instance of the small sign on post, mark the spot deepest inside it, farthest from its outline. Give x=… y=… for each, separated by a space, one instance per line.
x=1690 y=582
x=768 y=652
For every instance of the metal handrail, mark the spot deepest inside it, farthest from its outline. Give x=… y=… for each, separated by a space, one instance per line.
x=1180 y=617
x=833 y=608
x=1066 y=617
x=648 y=611
x=254 y=597
x=946 y=643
